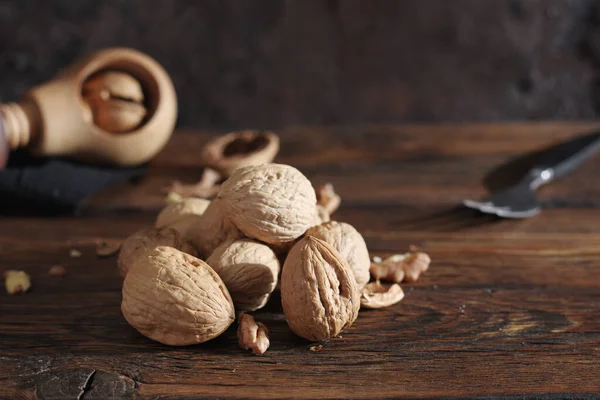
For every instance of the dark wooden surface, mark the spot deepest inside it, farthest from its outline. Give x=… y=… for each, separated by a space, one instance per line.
x=509 y=309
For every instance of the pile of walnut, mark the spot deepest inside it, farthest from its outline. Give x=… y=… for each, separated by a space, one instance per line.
x=262 y=216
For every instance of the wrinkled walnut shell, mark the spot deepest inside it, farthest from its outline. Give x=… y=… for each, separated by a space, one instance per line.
x=182 y=216
x=208 y=231
x=240 y=149
x=145 y=240
x=319 y=294
x=176 y=212
x=349 y=243
x=249 y=270
x=176 y=299
x=273 y=203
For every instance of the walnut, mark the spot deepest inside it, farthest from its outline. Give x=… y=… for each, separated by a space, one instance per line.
x=115 y=100
x=252 y=335
x=209 y=230
x=175 y=212
x=349 y=243
x=16 y=282
x=138 y=244
x=182 y=216
x=319 y=294
x=401 y=267
x=376 y=295
x=271 y=202
x=176 y=299
x=249 y=270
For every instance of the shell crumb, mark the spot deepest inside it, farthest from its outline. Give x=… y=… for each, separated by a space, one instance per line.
x=74 y=253
x=315 y=348
x=57 y=270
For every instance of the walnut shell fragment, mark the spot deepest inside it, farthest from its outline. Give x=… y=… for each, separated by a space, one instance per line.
x=376 y=295
x=401 y=267
x=322 y=214
x=239 y=149
x=349 y=243
x=138 y=244
x=249 y=270
x=319 y=294
x=176 y=299
x=252 y=335
x=328 y=198
x=273 y=203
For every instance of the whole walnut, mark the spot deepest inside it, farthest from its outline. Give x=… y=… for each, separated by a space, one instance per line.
x=176 y=299
x=273 y=203
x=183 y=215
x=145 y=240
x=211 y=229
x=175 y=212
x=249 y=270
x=319 y=294
x=349 y=243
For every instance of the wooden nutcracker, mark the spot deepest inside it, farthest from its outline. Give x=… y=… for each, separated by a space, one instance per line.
x=117 y=107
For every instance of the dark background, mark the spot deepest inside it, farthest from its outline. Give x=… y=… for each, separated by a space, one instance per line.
x=270 y=63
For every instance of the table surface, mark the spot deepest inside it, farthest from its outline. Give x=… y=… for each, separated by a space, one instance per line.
x=508 y=309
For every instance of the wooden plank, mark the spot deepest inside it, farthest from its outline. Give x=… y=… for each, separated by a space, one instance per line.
x=509 y=309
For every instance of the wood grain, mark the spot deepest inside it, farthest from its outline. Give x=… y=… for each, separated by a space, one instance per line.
x=508 y=309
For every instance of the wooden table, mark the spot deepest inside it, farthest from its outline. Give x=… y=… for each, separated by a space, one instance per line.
x=508 y=309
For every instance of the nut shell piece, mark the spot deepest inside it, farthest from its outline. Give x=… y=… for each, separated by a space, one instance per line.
x=319 y=294
x=349 y=243
x=176 y=299
x=249 y=270
x=273 y=203
x=376 y=295
x=239 y=149
x=145 y=240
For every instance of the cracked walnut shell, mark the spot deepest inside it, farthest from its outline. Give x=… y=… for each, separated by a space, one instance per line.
x=249 y=270
x=319 y=294
x=273 y=203
x=176 y=299
x=349 y=243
